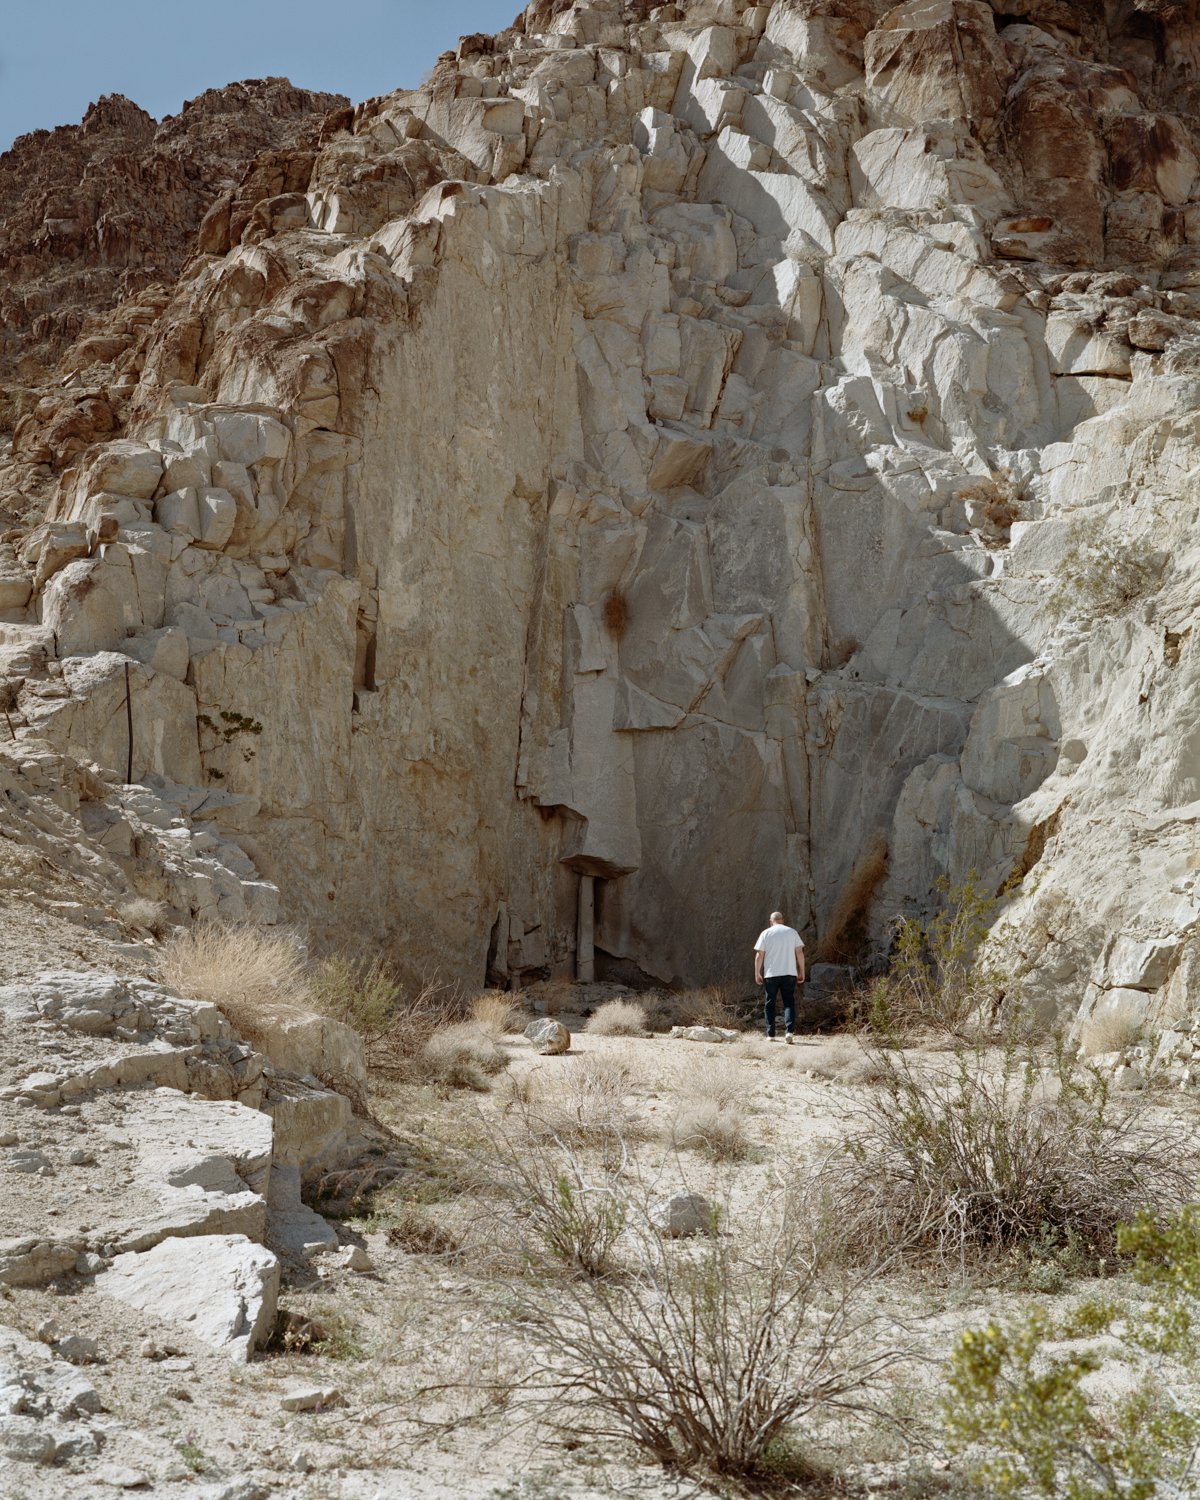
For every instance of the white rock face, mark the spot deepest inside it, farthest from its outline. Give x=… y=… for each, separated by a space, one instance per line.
x=189 y=1133
x=751 y=465
x=221 y=1288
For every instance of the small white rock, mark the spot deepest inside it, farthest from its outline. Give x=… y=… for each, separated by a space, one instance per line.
x=310 y=1398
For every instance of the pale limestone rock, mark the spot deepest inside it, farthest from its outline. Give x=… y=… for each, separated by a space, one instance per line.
x=308 y=1042
x=549 y=1037
x=309 y=1398
x=220 y=1288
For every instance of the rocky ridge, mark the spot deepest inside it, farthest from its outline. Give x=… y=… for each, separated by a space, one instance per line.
x=681 y=461
x=107 y=210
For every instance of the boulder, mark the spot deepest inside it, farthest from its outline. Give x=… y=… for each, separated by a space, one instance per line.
x=683 y=1215
x=549 y=1037
x=221 y=1288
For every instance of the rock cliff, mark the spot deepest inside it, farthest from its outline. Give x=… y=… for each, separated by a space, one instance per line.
x=682 y=460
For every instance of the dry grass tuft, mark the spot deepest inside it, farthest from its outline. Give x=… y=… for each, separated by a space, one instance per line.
x=842 y=1059
x=586 y=1104
x=495 y=1013
x=252 y=974
x=717 y=1130
x=416 y=1234
x=1112 y=1028
x=715 y=1080
x=618 y=1018
x=463 y=1057
x=144 y=915
x=711 y=1005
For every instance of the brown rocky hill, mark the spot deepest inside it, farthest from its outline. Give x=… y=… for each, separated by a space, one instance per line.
x=94 y=213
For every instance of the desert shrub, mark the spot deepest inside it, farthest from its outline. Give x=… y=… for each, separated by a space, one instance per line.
x=145 y=915
x=1103 y=572
x=395 y=1021
x=1020 y=1407
x=717 y=1130
x=463 y=1057
x=706 y=1355
x=993 y=502
x=417 y=1234
x=618 y=1018
x=583 y=1105
x=251 y=974
x=364 y=993
x=710 y=1005
x=495 y=1013
x=978 y=1158
x=1112 y=1028
x=936 y=979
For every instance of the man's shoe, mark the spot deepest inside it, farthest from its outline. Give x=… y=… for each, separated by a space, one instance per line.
x=771 y=1037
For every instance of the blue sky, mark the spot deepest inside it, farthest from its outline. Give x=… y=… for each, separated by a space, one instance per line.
x=57 y=56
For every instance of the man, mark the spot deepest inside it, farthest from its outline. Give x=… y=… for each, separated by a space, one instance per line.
x=779 y=966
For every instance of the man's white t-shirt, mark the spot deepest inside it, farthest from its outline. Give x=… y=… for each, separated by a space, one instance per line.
x=778 y=945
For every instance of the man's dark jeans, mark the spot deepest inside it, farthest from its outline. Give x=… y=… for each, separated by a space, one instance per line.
x=784 y=985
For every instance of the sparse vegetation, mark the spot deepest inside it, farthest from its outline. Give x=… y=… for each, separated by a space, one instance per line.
x=144 y=915
x=618 y=1018
x=966 y=1161
x=249 y=973
x=718 y=1130
x=707 y=1355
x=495 y=1013
x=1102 y=573
x=416 y=1233
x=364 y=993
x=586 y=1104
x=1112 y=1027
x=936 y=980
x=462 y=1056
x=710 y=1005
x=1030 y=1422
x=992 y=503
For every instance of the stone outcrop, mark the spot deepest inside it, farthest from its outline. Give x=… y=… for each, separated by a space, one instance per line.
x=151 y=1149
x=101 y=212
x=681 y=461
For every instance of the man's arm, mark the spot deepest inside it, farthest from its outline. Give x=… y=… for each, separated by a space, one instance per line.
x=800 y=964
x=758 y=966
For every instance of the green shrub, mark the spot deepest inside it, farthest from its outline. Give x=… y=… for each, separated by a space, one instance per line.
x=1022 y=1413
x=936 y=979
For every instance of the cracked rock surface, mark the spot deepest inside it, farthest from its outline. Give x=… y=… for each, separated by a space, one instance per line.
x=738 y=455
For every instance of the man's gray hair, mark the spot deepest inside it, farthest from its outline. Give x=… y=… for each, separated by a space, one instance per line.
x=776 y=916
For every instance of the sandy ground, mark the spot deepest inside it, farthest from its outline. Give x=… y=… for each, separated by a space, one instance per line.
x=413 y=1346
